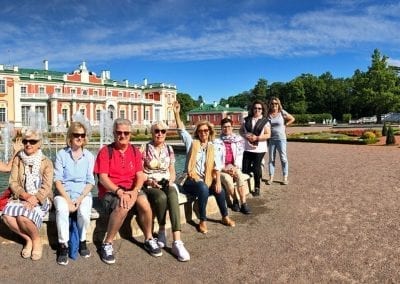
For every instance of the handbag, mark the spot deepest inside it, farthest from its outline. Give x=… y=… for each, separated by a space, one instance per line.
x=4 y=197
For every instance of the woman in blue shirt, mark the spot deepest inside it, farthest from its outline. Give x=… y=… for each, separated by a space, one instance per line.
x=74 y=180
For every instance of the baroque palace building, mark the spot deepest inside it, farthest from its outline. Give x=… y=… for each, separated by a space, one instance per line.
x=58 y=95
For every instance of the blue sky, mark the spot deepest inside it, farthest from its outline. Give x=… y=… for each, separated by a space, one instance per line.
x=212 y=48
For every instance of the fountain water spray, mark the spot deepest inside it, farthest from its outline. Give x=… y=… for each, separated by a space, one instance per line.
x=105 y=127
x=6 y=136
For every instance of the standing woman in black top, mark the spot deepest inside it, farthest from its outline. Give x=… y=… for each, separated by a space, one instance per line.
x=255 y=130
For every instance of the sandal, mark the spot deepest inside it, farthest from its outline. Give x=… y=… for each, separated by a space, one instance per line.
x=37 y=253
x=27 y=251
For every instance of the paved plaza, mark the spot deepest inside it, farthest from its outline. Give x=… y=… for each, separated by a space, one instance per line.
x=337 y=221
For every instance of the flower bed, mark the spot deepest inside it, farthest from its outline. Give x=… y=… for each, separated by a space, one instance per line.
x=355 y=136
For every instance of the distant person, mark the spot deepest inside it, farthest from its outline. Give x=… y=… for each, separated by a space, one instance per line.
x=232 y=146
x=31 y=182
x=74 y=180
x=255 y=130
x=121 y=177
x=279 y=119
x=203 y=168
x=159 y=166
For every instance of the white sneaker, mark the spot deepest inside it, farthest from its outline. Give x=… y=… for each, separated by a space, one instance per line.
x=285 y=180
x=162 y=239
x=179 y=250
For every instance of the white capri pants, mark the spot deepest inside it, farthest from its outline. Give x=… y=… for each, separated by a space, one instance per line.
x=62 y=217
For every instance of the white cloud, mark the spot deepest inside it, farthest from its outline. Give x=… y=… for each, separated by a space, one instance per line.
x=394 y=62
x=161 y=30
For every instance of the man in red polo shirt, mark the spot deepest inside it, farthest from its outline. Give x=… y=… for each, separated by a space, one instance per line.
x=121 y=177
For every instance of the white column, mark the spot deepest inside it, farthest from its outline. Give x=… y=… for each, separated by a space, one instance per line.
x=54 y=114
x=91 y=113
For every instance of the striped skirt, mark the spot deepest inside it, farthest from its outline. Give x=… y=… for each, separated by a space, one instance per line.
x=16 y=208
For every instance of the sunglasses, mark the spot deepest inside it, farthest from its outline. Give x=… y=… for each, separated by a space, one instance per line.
x=79 y=135
x=119 y=133
x=30 y=141
x=203 y=131
x=163 y=131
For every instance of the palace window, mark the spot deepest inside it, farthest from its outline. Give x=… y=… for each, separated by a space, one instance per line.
x=122 y=113
x=2 y=114
x=23 y=90
x=40 y=109
x=2 y=86
x=98 y=114
x=64 y=113
x=25 y=117
x=41 y=90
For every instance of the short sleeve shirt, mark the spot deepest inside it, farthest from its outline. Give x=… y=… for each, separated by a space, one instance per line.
x=121 y=168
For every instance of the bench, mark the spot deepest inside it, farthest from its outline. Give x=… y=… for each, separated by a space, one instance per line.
x=97 y=230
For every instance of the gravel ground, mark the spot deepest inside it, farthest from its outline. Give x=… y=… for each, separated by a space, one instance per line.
x=337 y=221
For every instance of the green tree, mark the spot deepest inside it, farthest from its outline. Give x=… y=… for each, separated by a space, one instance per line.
x=377 y=91
x=187 y=104
x=242 y=100
x=294 y=100
x=259 y=92
x=390 y=138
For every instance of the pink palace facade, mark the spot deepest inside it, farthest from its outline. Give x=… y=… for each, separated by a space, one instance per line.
x=59 y=94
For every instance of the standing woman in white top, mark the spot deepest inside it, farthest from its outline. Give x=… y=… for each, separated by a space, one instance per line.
x=279 y=119
x=255 y=130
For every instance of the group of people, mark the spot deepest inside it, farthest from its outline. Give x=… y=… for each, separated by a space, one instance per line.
x=142 y=180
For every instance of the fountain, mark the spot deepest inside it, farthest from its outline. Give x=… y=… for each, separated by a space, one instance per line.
x=6 y=136
x=105 y=128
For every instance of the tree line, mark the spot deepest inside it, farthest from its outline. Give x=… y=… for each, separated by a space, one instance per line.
x=373 y=92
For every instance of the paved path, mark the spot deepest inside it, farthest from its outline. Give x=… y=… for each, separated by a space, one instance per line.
x=337 y=221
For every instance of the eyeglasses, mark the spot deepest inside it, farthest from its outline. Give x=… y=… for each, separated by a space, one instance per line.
x=163 y=131
x=79 y=135
x=203 y=130
x=119 y=133
x=30 y=141
x=257 y=108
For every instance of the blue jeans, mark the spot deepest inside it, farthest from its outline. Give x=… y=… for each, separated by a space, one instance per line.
x=202 y=192
x=280 y=146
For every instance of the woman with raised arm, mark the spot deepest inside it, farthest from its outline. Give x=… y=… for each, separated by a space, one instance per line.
x=279 y=119
x=203 y=168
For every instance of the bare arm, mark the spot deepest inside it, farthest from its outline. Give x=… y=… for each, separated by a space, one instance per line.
x=289 y=119
x=177 y=109
x=172 y=174
x=266 y=135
